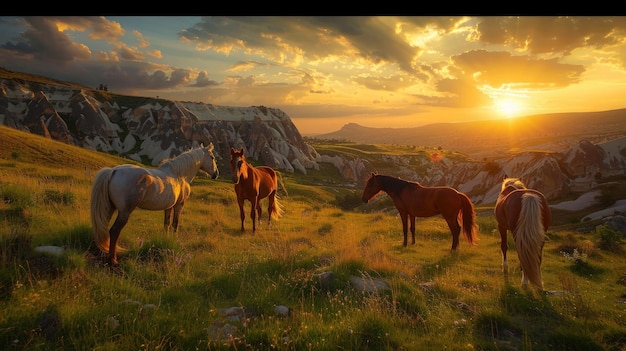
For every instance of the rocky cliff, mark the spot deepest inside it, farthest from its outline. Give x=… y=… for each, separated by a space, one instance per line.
x=150 y=130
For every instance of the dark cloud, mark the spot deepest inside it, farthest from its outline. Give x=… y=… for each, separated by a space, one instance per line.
x=373 y=38
x=203 y=80
x=128 y=53
x=44 y=41
x=285 y=38
x=47 y=42
x=548 y=34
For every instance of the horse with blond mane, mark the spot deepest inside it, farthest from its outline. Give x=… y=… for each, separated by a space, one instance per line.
x=525 y=212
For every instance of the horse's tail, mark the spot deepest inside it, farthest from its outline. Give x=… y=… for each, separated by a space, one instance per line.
x=470 y=228
x=282 y=184
x=101 y=209
x=529 y=238
x=277 y=209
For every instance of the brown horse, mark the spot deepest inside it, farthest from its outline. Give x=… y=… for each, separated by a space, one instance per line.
x=414 y=200
x=254 y=184
x=525 y=212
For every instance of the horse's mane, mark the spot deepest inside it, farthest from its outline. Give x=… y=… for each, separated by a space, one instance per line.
x=397 y=183
x=185 y=163
x=514 y=182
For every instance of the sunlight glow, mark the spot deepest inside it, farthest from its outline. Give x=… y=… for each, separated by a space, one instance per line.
x=509 y=107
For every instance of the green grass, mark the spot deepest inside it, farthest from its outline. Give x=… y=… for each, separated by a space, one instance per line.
x=170 y=291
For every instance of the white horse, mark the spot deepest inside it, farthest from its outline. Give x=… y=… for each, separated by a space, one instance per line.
x=126 y=187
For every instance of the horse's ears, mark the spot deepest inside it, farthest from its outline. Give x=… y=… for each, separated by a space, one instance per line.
x=505 y=176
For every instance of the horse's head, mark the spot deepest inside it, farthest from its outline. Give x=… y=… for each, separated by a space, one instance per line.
x=209 y=164
x=237 y=160
x=511 y=184
x=372 y=187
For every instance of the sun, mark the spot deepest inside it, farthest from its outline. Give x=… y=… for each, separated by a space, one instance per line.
x=509 y=107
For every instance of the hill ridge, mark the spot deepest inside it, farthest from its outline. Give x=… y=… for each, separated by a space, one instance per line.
x=545 y=132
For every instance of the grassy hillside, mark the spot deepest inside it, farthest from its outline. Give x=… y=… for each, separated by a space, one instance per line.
x=170 y=292
x=35 y=78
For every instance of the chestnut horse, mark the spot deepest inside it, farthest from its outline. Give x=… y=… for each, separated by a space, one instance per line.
x=525 y=212
x=254 y=184
x=126 y=187
x=414 y=200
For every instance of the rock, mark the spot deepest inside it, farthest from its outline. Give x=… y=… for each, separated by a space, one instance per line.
x=282 y=311
x=52 y=250
x=325 y=279
x=617 y=223
x=369 y=285
x=233 y=314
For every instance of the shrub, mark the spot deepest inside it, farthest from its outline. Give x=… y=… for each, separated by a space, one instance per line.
x=15 y=244
x=609 y=239
x=57 y=197
x=16 y=197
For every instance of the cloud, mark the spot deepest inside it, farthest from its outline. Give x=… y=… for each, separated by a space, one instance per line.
x=290 y=40
x=455 y=93
x=203 y=80
x=130 y=53
x=499 y=68
x=377 y=61
x=45 y=41
x=244 y=66
x=555 y=35
x=393 y=83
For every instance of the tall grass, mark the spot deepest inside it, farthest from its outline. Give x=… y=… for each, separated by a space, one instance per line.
x=172 y=292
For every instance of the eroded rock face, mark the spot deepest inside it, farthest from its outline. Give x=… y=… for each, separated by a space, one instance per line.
x=155 y=130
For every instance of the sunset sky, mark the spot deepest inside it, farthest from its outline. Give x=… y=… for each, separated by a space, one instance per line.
x=325 y=72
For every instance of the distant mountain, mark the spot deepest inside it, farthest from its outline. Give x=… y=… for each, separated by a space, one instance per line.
x=487 y=139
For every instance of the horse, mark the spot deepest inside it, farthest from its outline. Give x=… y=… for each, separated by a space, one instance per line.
x=254 y=184
x=126 y=187
x=525 y=212
x=414 y=200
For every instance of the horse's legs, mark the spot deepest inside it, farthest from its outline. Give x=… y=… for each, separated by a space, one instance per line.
x=242 y=213
x=253 y=210
x=167 y=221
x=455 y=229
x=503 y=247
x=177 y=210
x=404 y=217
x=524 y=280
x=412 y=231
x=114 y=234
x=259 y=212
